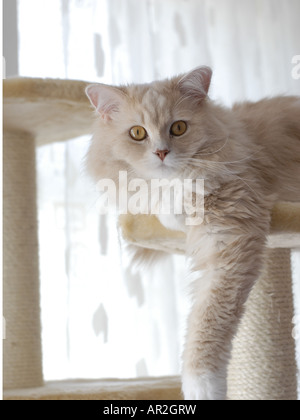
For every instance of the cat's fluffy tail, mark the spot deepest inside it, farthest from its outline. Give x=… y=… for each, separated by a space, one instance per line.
x=144 y=258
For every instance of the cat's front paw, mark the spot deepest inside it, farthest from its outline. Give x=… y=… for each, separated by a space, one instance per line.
x=209 y=386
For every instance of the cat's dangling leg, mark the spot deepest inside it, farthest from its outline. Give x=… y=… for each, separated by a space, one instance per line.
x=231 y=263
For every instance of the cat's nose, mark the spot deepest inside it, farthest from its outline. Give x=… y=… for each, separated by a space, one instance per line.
x=162 y=154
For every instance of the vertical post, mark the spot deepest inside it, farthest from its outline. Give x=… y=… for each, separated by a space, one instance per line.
x=22 y=362
x=263 y=365
x=10 y=37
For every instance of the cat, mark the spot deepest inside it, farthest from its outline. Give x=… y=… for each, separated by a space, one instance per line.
x=249 y=158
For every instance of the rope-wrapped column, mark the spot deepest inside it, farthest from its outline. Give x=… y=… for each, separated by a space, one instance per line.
x=22 y=366
x=263 y=365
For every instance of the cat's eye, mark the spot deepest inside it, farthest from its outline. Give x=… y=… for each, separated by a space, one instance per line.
x=178 y=128
x=138 y=133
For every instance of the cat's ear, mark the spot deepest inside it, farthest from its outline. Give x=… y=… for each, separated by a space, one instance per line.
x=105 y=99
x=196 y=83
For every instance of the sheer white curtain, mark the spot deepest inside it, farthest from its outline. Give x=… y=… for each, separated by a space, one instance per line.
x=99 y=318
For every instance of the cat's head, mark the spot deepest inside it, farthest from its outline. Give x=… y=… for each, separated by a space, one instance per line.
x=150 y=130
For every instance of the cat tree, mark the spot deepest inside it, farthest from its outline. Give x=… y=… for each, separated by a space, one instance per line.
x=263 y=366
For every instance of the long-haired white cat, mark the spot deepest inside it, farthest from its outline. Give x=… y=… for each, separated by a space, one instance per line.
x=249 y=158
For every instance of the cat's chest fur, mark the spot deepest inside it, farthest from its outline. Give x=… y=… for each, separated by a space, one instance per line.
x=173 y=209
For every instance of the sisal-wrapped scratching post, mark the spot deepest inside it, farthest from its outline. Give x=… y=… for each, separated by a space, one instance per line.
x=22 y=365
x=263 y=365
x=37 y=111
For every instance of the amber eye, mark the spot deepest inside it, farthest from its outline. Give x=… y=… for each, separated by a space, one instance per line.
x=138 y=133
x=178 y=128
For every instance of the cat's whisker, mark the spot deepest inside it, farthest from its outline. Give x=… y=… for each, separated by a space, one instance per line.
x=223 y=171
x=235 y=176
x=216 y=151
x=194 y=160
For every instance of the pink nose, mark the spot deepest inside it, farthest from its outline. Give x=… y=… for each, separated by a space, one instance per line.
x=162 y=154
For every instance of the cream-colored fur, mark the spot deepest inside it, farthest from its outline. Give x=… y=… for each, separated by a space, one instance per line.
x=249 y=157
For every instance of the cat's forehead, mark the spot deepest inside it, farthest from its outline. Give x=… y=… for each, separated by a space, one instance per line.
x=154 y=104
x=154 y=97
x=155 y=107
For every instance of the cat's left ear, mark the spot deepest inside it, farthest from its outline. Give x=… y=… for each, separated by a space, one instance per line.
x=105 y=99
x=196 y=83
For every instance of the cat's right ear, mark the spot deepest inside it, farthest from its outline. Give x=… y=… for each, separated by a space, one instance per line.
x=105 y=99
x=195 y=84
